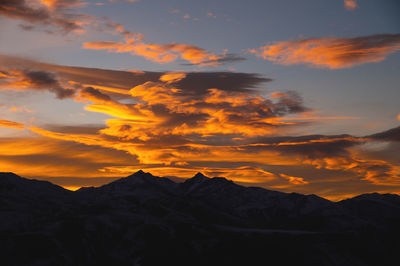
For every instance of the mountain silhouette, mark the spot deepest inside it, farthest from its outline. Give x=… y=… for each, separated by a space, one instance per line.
x=147 y=220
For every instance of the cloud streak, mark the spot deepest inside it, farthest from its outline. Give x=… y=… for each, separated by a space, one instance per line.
x=330 y=52
x=160 y=53
x=195 y=83
x=11 y=124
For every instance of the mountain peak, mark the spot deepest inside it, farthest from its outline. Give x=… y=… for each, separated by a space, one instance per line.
x=8 y=177
x=199 y=176
x=8 y=174
x=195 y=180
x=140 y=172
x=139 y=175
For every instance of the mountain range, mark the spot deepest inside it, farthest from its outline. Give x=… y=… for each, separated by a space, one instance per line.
x=147 y=220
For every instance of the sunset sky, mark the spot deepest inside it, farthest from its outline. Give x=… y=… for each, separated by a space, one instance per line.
x=288 y=95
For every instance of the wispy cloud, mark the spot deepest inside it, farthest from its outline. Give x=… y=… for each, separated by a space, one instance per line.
x=211 y=15
x=19 y=109
x=331 y=52
x=173 y=10
x=11 y=124
x=350 y=4
x=159 y=53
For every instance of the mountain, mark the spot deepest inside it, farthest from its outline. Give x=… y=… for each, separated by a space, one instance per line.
x=146 y=220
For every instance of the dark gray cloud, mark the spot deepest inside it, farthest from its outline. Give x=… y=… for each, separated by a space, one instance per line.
x=90 y=92
x=311 y=146
x=55 y=13
x=24 y=79
x=74 y=129
x=195 y=83
x=46 y=80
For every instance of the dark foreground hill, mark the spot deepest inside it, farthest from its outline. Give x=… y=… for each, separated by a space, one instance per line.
x=147 y=220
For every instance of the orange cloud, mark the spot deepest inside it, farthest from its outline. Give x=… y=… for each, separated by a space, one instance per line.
x=331 y=52
x=377 y=172
x=160 y=53
x=172 y=77
x=104 y=104
x=19 y=109
x=165 y=125
x=47 y=157
x=57 y=4
x=294 y=180
x=398 y=117
x=350 y=4
x=177 y=156
x=11 y=124
x=178 y=123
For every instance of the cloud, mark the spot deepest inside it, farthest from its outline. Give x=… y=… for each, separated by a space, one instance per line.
x=173 y=10
x=159 y=53
x=11 y=124
x=60 y=4
x=312 y=146
x=19 y=109
x=22 y=79
x=168 y=126
x=211 y=15
x=172 y=77
x=45 y=158
x=179 y=123
x=52 y=13
x=347 y=160
x=194 y=83
x=331 y=52
x=224 y=59
x=350 y=4
x=335 y=153
x=165 y=110
x=104 y=104
x=173 y=111
x=294 y=180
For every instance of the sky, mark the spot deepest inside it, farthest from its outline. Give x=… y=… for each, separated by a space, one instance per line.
x=295 y=96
